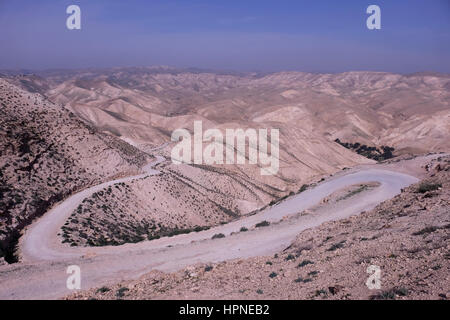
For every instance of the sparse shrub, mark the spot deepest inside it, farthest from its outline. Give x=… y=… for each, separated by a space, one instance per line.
x=290 y=257
x=436 y=267
x=336 y=246
x=301 y=280
x=303 y=188
x=218 y=236
x=121 y=292
x=103 y=290
x=384 y=295
x=262 y=224
x=151 y=237
x=378 y=154
x=426 y=230
x=198 y=228
x=208 y=268
x=403 y=292
x=273 y=275
x=321 y=292
x=425 y=187
x=244 y=229
x=304 y=263
x=390 y=294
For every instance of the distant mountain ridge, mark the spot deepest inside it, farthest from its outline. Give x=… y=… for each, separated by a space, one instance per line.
x=373 y=108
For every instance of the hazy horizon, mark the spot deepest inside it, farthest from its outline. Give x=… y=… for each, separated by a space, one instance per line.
x=195 y=69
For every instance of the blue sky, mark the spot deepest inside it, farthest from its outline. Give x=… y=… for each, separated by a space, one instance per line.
x=313 y=36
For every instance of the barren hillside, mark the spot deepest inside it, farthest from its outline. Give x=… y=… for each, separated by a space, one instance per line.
x=371 y=113
x=407 y=112
x=407 y=237
x=46 y=153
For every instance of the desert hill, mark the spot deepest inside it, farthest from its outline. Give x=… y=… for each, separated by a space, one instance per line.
x=46 y=154
x=49 y=153
x=407 y=237
x=143 y=106
x=372 y=108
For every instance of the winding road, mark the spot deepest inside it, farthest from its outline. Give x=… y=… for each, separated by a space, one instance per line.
x=45 y=259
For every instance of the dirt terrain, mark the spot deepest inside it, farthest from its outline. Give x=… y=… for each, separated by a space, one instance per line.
x=407 y=112
x=407 y=237
x=46 y=154
x=324 y=121
x=261 y=234
x=184 y=198
x=86 y=179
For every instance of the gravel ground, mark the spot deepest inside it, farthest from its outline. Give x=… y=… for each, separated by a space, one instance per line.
x=407 y=237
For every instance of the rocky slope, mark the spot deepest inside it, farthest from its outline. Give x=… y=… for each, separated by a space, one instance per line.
x=46 y=153
x=407 y=237
x=185 y=197
x=143 y=106
x=180 y=200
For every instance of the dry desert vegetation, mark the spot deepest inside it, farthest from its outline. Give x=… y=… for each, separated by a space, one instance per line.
x=408 y=237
